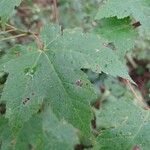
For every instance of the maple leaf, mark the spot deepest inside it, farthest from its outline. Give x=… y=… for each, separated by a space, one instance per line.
x=54 y=74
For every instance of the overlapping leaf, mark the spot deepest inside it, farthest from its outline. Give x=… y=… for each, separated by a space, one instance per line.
x=122 y=124
x=5 y=134
x=138 y=9
x=46 y=132
x=7 y=8
x=17 y=51
x=120 y=32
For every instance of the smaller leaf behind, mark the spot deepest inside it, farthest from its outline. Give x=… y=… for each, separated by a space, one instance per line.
x=119 y=32
x=138 y=9
x=41 y=132
x=122 y=123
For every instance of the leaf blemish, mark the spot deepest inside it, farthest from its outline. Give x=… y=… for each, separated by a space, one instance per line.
x=136 y=148
x=79 y=83
x=30 y=71
x=26 y=100
x=105 y=44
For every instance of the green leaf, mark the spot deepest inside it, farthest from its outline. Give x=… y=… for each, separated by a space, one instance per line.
x=61 y=135
x=7 y=8
x=90 y=48
x=17 y=51
x=54 y=74
x=123 y=124
x=46 y=132
x=138 y=9
x=120 y=32
x=5 y=134
x=36 y=78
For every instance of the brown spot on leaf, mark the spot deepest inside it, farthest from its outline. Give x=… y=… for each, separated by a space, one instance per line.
x=136 y=148
x=93 y=122
x=2 y=109
x=82 y=147
x=136 y=24
x=97 y=104
x=79 y=147
x=102 y=88
x=79 y=83
x=26 y=100
x=62 y=29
